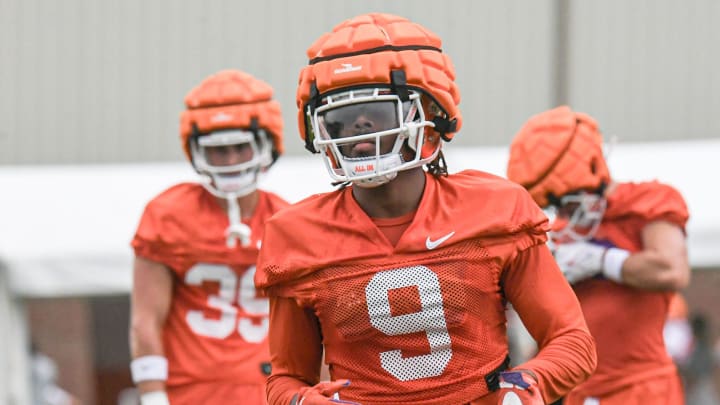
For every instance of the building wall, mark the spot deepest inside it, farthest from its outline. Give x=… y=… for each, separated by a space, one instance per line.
x=647 y=69
x=62 y=330
x=98 y=81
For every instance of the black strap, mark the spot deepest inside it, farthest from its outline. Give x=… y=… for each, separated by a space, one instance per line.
x=294 y=399
x=193 y=138
x=254 y=125
x=374 y=50
x=314 y=94
x=492 y=379
x=313 y=103
x=444 y=126
x=399 y=84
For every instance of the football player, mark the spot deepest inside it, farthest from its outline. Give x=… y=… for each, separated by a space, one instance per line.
x=403 y=274
x=620 y=245
x=199 y=327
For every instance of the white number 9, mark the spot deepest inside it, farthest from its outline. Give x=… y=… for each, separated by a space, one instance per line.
x=431 y=320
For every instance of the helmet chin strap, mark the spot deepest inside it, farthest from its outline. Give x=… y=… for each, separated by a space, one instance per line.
x=237 y=230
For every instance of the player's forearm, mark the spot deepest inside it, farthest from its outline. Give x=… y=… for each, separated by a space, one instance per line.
x=563 y=363
x=652 y=270
x=281 y=389
x=294 y=366
x=552 y=314
x=146 y=343
x=145 y=337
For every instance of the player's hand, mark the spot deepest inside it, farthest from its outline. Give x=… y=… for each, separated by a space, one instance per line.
x=323 y=393
x=579 y=260
x=518 y=389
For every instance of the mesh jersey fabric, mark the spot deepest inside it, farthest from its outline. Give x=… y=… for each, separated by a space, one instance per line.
x=421 y=321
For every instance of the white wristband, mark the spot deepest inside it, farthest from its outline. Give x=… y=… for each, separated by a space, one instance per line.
x=613 y=262
x=154 y=398
x=149 y=368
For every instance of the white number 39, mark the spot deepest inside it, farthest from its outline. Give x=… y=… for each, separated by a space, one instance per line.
x=224 y=302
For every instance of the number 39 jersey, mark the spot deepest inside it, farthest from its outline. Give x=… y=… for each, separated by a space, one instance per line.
x=216 y=329
x=419 y=322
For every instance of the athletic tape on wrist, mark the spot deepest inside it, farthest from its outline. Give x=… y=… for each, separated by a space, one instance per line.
x=149 y=368
x=154 y=398
x=613 y=262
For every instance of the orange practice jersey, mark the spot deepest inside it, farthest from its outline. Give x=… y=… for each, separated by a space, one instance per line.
x=421 y=321
x=215 y=336
x=627 y=323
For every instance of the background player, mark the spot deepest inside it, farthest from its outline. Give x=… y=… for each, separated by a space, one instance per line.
x=621 y=246
x=199 y=329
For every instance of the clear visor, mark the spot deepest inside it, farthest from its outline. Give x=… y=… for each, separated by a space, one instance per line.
x=362 y=129
x=577 y=218
x=357 y=119
x=362 y=132
x=227 y=151
x=230 y=160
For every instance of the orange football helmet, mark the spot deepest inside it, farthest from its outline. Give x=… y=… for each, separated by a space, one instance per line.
x=388 y=67
x=231 y=108
x=230 y=132
x=558 y=157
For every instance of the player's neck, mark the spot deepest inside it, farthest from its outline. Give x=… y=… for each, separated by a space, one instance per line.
x=395 y=198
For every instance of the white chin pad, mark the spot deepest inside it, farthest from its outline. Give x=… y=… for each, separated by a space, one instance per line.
x=365 y=167
x=382 y=168
x=235 y=183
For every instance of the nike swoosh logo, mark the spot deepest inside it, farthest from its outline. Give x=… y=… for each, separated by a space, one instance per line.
x=432 y=244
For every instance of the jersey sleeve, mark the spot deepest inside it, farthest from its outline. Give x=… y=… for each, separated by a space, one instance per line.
x=532 y=224
x=157 y=237
x=669 y=206
x=293 y=365
x=289 y=251
x=551 y=312
x=494 y=209
x=148 y=236
x=184 y=222
x=655 y=201
x=269 y=273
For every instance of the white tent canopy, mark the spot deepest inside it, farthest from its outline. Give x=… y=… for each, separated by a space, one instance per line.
x=65 y=230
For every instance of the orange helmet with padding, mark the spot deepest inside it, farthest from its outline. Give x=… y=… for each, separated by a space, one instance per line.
x=382 y=50
x=231 y=109
x=558 y=152
x=231 y=99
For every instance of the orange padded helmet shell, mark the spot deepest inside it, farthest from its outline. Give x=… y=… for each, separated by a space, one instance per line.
x=557 y=152
x=365 y=51
x=231 y=99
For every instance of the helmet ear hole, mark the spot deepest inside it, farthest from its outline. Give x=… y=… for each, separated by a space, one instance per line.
x=593 y=166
